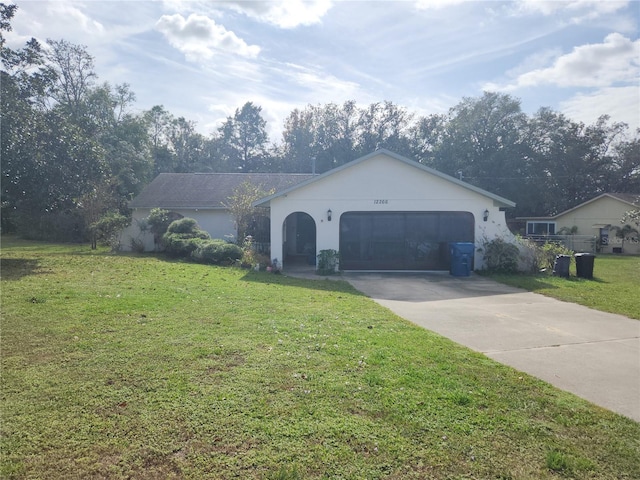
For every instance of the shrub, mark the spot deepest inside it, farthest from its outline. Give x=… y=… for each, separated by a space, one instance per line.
x=184 y=226
x=137 y=245
x=183 y=237
x=179 y=246
x=107 y=230
x=546 y=255
x=158 y=222
x=216 y=252
x=328 y=262
x=501 y=256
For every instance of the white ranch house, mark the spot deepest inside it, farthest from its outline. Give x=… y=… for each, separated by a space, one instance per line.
x=381 y=212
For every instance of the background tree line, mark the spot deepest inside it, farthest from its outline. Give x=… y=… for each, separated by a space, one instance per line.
x=73 y=152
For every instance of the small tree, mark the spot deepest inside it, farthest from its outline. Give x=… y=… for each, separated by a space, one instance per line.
x=158 y=222
x=632 y=216
x=94 y=205
x=240 y=206
x=107 y=230
x=624 y=233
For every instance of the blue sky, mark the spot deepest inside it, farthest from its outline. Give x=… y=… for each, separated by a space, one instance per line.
x=204 y=59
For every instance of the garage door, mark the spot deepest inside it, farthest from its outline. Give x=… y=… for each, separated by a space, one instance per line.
x=401 y=240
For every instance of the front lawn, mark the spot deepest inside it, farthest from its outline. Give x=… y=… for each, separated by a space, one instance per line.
x=615 y=286
x=123 y=366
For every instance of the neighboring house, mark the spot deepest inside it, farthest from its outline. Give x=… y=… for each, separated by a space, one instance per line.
x=381 y=212
x=596 y=218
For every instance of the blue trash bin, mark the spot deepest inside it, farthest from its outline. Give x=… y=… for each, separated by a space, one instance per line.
x=461 y=259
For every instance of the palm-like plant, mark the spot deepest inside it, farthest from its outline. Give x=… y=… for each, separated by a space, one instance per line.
x=624 y=232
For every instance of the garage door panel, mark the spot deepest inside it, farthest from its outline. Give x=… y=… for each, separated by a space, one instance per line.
x=401 y=240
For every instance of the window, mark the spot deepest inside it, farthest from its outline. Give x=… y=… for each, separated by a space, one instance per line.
x=541 y=228
x=604 y=236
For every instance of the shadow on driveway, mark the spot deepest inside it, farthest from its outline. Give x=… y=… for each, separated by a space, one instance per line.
x=425 y=286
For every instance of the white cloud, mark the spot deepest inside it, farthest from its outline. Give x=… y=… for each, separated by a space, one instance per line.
x=283 y=13
x=74 y=17
x=616 y=60
x=619 y=103
x=437 y=4
x=578 y=10
x=199 y=37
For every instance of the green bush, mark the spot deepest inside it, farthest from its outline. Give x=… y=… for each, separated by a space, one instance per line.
x=106 y=231
x=184 y=226
x=216 y=252
x=158 y=222
x=180 y=247
x=546 y=255
x=501 y=256
x=183 y=237
x=328 y=262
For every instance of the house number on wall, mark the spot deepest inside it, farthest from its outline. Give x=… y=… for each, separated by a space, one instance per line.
x=380 y=202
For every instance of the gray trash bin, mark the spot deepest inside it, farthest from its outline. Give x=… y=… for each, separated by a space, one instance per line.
x=584 y=265
x=561 y=266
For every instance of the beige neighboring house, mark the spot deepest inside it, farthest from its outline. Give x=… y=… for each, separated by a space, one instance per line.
x=598 y=218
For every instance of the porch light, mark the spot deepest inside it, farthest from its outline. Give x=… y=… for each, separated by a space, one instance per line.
x=485 y=215
x=329 y=212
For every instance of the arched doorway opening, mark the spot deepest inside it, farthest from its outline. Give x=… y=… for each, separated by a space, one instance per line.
x=299 y=239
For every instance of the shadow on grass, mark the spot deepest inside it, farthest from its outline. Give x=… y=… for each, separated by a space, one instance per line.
x=17 y=268
x=535 y=283
x=335 y=284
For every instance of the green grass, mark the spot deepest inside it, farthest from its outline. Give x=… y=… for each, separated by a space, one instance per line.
x=615 y=286
x=122 y=366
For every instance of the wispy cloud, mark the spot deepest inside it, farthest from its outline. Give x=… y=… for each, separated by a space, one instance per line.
x=75 y=16
x=620 y=103
x=200 y=37
x=578 y=10
x=322 y=84
x=283 y=13
x=437 y=4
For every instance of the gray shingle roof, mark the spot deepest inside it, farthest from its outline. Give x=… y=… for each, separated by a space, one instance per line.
x=206 y=190
x=632 y=198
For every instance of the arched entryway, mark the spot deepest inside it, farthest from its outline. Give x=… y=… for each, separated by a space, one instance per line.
x=299 y=239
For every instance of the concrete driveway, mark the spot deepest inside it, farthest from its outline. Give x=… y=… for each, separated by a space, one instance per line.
x=592 y=354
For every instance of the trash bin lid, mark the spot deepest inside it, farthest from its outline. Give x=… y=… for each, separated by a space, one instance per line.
x=463 y=247
x=584 y=254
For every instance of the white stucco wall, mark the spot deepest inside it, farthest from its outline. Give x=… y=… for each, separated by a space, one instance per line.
x=381 y=184
x=218 y=223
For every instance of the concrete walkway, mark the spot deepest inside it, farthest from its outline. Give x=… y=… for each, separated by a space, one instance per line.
x=592 y=354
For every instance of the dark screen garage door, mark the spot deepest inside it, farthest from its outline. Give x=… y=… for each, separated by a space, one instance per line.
x=401 y=240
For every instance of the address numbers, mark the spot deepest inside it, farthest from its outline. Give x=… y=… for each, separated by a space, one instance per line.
x=380 y=202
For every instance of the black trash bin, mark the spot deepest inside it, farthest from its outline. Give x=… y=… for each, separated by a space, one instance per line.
x=584 y=265
x=461 y=259
x=561 y=266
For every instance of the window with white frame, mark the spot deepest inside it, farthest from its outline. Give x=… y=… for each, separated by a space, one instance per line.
x=541 y=228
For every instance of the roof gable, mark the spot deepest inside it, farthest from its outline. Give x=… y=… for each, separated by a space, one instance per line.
x=631 y=199
x=500 y=201
x=206 y=190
